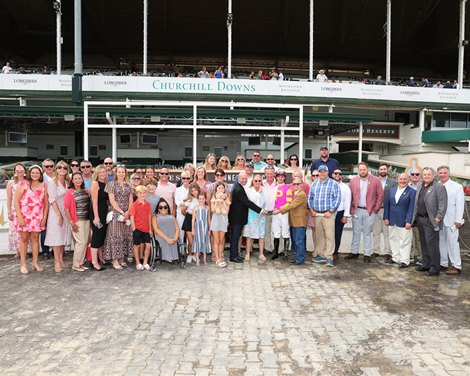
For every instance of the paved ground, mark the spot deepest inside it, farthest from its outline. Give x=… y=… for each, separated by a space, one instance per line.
x=254 y=319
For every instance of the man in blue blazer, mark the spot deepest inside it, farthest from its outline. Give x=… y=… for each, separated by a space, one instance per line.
x=399 y=205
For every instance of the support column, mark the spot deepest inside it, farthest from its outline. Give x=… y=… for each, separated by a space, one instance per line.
x=114 y=141
x=301 y=136
x=85 y=132
x=310 y=47
x=229 y=37
x=146 y=14
x=58 y=14
x=194 y=135
x=389 y=42
x=461 y=43
x=78 y=64
x=281 y=155
x=359 y=154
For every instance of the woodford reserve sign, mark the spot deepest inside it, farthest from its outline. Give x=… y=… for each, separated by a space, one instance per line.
x=389 y=131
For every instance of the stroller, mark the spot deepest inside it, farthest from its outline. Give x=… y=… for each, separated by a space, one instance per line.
x=156 y=254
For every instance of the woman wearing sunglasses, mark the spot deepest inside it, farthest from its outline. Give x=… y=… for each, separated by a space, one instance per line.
x=240 y=162
x=293 y=163
x=59 y=234
x=224 y=163
x=166 y=231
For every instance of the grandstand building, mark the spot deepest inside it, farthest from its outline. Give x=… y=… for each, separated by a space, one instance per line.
x=171 y=115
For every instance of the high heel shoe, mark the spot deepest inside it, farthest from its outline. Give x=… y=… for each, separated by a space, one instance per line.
x=24 y=270
x=37 y=267
x=97 y=270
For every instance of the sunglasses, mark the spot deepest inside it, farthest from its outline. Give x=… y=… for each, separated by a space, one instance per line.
x=135 y=178
x=270 y=159
x=337 y=173
x=219 y=174
x=85 y=166
x=186 y=178
x=108 y=163
x=257 y=181
x=164 y=173
x=414 y=174
x=224 y=161
x=74 y=164
x=256 y=155
x=163 y=207
x=61 y=168
x=293 y=159
x=240 y=159
x=315 y=175
x=296 y=184
x=48 y=166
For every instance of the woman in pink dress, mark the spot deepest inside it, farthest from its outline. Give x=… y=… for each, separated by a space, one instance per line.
x=13 y=234
x=200 y=177
x=31 y=206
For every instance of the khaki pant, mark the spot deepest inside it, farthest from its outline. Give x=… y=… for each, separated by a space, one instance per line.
x=325 y=236
x=400 y=242
x=80 y=239
x=380 y=228
x=416 y=244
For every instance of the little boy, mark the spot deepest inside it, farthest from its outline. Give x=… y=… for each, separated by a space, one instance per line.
x=141 y=216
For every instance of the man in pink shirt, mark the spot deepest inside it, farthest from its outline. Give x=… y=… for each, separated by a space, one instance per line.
x=366 y=200
x=166 y=189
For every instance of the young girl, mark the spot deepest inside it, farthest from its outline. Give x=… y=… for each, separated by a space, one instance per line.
x=220 y=205
x=187 y=208
x=201 y=224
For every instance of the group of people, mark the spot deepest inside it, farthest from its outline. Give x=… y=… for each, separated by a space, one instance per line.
x=116 y=215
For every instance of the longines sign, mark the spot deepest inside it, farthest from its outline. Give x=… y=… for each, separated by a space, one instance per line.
x=281 y=89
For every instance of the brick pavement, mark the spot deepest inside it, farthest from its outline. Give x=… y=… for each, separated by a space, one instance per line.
x=254 y=319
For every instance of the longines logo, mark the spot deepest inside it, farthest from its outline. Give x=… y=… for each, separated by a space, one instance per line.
x=116 y=83
x=409 y=93
x=332 y=89
x=25 y=81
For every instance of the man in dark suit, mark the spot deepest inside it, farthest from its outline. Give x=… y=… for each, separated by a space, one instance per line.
x=430 y=209
x=399 y=205
x=238 y=214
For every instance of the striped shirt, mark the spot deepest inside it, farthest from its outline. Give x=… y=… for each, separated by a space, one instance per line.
x=82 y=201
x=324 y=196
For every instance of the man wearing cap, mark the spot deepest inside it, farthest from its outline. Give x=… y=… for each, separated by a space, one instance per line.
x=366 y=200
x=325 y=159
x=323 y=201
x=258 y=164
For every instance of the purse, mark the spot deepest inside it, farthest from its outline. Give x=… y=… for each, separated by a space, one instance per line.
x=109 y=217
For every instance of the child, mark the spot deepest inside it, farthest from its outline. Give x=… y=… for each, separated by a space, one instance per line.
x=200 y=231
x=220 y=205
x=141 y=215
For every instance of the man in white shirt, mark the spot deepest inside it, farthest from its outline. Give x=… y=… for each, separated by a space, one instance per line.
x=449 y=233
x=166 y=189
x=269 y=192
x=7 y=68
x=342 y=213
x=271 y=162
x=321 y=76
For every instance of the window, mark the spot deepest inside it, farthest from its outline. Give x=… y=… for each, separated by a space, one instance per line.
x=64 y=150
x=458 y=120
x=149 y=139
x=441 y=120
x=218 y=152
x=188 y=151
x=93 y=150
x=102 y=147
x=49 y=147
x=125 y=139
x=206 y=148
x=19 y=137
x=308 y=154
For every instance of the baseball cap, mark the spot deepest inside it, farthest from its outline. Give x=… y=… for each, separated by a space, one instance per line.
x=323 y=147
x=250 y=164
x=323 y=168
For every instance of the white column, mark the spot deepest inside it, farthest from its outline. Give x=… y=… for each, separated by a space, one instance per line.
x=301 y=136
x=114 y=141
x=281 y=155
x=78 y=64
x=461 y=44
x=359 y=154
x=389 y=42
x=146 y=8
x=229 y=37
x=85 y=131
x=194 y=135
x=422 y=114
x=58 y=15
x=310 y=47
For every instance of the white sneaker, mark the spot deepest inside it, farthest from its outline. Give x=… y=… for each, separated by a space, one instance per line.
x=189 y=259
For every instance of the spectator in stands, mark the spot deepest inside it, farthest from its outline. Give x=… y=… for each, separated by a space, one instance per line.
x=219 y=73
x=425 y=82
x=379 y=81
x=281 y=76
x=455 y=85
x=325 y=159
x=260 y=75
x=438 y=85
x=273 y=74
x=411 y=82
x=21 y=70
x=321 y=76
x=45 y=70
x=203 y=73
x=251 y=76
x=448 y=85
x=265 y=76
x=7 y=69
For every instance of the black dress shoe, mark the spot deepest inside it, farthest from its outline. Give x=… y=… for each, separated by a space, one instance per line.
x=374 y=255
x=433 y=272
x=444 y=268
x=402 y=265
x=352 y=256
x=388 y=257
x=366 y=259
x=275 y=256
x=422 y=269
x=238 y=261
x=97 y=270
x=390 y=261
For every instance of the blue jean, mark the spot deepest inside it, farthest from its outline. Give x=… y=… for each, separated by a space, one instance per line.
x=234 y=238
x=298 y=243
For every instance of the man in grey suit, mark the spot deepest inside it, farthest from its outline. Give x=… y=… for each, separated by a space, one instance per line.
x=430 y=209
